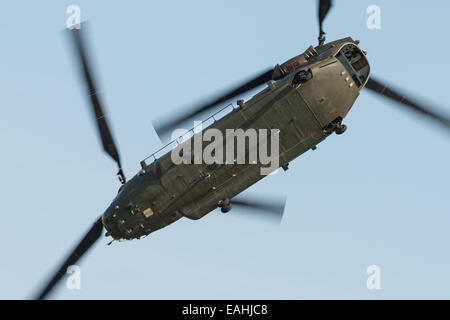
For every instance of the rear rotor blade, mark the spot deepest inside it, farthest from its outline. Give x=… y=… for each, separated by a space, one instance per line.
x=382 y=89
x=89 y=239
x=97 y=110
x=324 y=7
x=263 y=77
x=272 y=208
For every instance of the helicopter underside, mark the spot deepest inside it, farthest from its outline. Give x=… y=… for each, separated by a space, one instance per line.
x=303 y=112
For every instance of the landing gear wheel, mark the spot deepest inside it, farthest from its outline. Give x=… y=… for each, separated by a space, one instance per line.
x=301 y=77
x=226 y=208
x=224 y=205
x=335 y=126
x=341 y=129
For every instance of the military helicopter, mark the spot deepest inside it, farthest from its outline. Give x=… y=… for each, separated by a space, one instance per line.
x=306 y=98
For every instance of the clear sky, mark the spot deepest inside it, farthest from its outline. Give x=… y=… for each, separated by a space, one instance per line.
x=377 y=195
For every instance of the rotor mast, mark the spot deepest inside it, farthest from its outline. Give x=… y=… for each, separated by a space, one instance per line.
x=324 y=7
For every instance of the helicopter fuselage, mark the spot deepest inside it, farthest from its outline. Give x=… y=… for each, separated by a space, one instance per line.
x=317 y=90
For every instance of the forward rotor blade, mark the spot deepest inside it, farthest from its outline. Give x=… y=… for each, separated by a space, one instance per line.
x=263 y=77
x=382 y=89
x=324 y=7
x=89 y=239
x=273 y=208
x=102 y=125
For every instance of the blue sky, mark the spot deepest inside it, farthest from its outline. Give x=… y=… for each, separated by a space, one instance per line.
x=379 y=194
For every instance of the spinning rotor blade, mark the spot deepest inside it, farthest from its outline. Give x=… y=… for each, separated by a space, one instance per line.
x=324 y=7
x=382 y=89
x=270 y=74
x=89 y=239
x=273 y=209
x=102 y=125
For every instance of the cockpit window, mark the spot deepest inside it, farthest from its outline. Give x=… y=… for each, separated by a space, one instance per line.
x=359 y=64
x=355 y=62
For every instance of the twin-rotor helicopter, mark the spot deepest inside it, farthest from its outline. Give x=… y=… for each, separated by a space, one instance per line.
x=306 y=98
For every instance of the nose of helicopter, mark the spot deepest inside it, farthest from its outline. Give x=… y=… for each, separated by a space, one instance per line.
x=124 y=221
x=111 y=221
